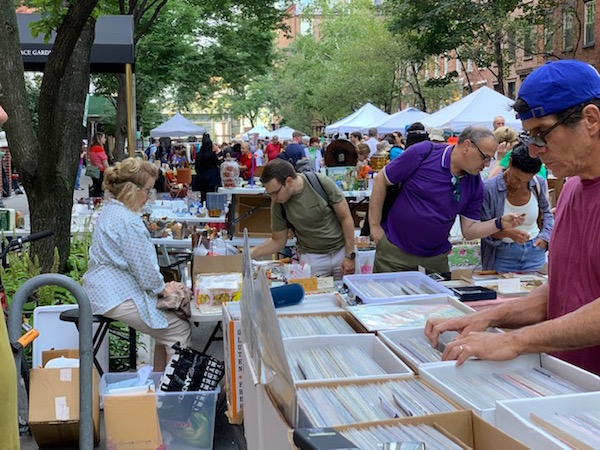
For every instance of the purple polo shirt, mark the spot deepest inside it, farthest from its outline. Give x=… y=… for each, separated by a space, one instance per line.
x=420 y=219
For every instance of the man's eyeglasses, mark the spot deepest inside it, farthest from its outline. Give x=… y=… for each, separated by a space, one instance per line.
x=276 y=193
x=485 y=157
x=539 y=139
x=456 y=188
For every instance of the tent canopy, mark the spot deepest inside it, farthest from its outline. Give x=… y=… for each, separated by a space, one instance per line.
x=399 y=121
x=177 y=126
x=261 y=130
x=365 y=117
x=284 y=133
x=477 y=108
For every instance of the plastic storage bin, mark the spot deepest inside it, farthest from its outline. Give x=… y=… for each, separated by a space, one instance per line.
x=393 y=287
x=187 y=419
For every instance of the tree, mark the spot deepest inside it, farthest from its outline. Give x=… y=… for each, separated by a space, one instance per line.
x=187 y=49
x=47 y=160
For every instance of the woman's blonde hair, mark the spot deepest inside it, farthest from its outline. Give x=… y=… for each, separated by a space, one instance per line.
x=506 y=134
x=125 y=179
x=363 y=149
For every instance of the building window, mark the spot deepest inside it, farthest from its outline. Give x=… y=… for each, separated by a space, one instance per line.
x=529 y=43
x=469 y=65
x=305 y=26
x=458 y=66
x=567 y=31
x=511 y=89
x=548 y=37
x=512 y=46
x=436 y=68
x=589 y=13
x=445 y=65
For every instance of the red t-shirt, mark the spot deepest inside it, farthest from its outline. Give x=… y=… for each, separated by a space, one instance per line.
x=246 y=160
x=272 y=150
x=573 y=269
x=97 y=155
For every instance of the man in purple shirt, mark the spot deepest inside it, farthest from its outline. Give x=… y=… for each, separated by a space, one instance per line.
x=439 y=181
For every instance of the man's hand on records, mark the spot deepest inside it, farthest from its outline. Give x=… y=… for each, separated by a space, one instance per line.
x=463 y=324
x=482 y=345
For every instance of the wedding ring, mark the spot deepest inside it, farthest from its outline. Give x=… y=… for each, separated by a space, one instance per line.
x=461 y=348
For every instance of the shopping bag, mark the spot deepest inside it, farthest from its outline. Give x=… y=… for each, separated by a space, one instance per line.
x=92 y=171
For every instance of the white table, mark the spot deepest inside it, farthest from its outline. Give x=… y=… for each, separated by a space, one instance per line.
x=189 y=218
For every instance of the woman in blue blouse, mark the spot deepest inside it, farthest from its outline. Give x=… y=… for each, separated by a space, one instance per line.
x=123 y=279
x=517 y=190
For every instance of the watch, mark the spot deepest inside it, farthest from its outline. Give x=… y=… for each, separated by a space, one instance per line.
x=498 y=223
x=351 y=255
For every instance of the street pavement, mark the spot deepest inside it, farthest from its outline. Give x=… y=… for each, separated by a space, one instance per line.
x=227 y=437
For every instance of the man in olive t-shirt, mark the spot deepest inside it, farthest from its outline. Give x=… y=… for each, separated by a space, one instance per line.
x=324 y=229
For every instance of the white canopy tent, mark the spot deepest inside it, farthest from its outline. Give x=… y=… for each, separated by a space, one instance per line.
x=477 y=108
x=365 y=117
x=399 y=121
x=177 y=126
x=261 y=130
x=283 y=133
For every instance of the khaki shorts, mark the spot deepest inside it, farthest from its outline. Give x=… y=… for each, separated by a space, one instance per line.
x=389 y=258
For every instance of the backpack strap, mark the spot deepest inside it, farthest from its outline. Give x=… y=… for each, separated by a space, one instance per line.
x=315 y=183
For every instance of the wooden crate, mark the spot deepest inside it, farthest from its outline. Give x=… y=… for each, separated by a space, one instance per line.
x=259 y=222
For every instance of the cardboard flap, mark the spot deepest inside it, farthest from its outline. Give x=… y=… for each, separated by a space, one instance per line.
x=131 y=422
x=217 y=264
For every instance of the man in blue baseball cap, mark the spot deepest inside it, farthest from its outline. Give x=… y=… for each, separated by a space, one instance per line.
x=559 y=104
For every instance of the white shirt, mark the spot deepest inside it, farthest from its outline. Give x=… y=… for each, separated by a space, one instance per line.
x=372 y=143
x=531 y=210
x=123 y=265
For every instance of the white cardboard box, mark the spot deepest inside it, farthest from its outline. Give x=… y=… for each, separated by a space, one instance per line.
x=232 y=342
x=251 y=388
x=436 y=375
x=370 y=343
x=512 y=416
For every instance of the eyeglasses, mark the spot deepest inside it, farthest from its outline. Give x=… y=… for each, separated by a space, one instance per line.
x=539 y=139
x=485 y=157
x=148 y=190
x=455 y=188
x=276 y=193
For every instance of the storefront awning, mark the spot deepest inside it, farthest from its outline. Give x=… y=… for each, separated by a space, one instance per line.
x=112 y=48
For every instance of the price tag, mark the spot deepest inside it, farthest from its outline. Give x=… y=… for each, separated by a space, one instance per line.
x=309 y=284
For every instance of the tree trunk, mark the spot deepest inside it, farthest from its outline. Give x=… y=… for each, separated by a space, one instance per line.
x=499 y=63
x=50 y=188
x=121 y=119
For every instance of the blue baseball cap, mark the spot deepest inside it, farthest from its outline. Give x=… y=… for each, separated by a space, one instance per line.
x=557 y=86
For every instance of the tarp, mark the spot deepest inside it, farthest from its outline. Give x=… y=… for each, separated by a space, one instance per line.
x=364 y=117
x=177 y=126
x=399 y=121
x=477 y=108
x=112 y=48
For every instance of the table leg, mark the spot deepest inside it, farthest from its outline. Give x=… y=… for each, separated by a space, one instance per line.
x=213 y=337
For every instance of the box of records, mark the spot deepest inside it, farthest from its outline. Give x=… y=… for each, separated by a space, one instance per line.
x=477 y=385
x=414 y=348
x=315 y=310
x=457 y=430
x=407 y=314
x=345 y=402
x=551 y=423
x=392 y=287
x=352 y=356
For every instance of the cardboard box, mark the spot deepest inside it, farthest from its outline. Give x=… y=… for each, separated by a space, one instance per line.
x=217 y=264
x=437 y=374
x=472 y=431
x=514 y=416
x=54 y=406
x=232 y=341
x=258 y=222
x=174 y=420
x=252 y=389
x=48 y=355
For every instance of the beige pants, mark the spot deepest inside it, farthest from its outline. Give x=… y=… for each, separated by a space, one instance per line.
x=178 y=330
x=325 y=265
x=389 y=258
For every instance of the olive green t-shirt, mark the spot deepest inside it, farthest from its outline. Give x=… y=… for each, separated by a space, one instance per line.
x=315 y=223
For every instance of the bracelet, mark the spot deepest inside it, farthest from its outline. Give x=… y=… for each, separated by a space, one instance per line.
x=498 y=223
